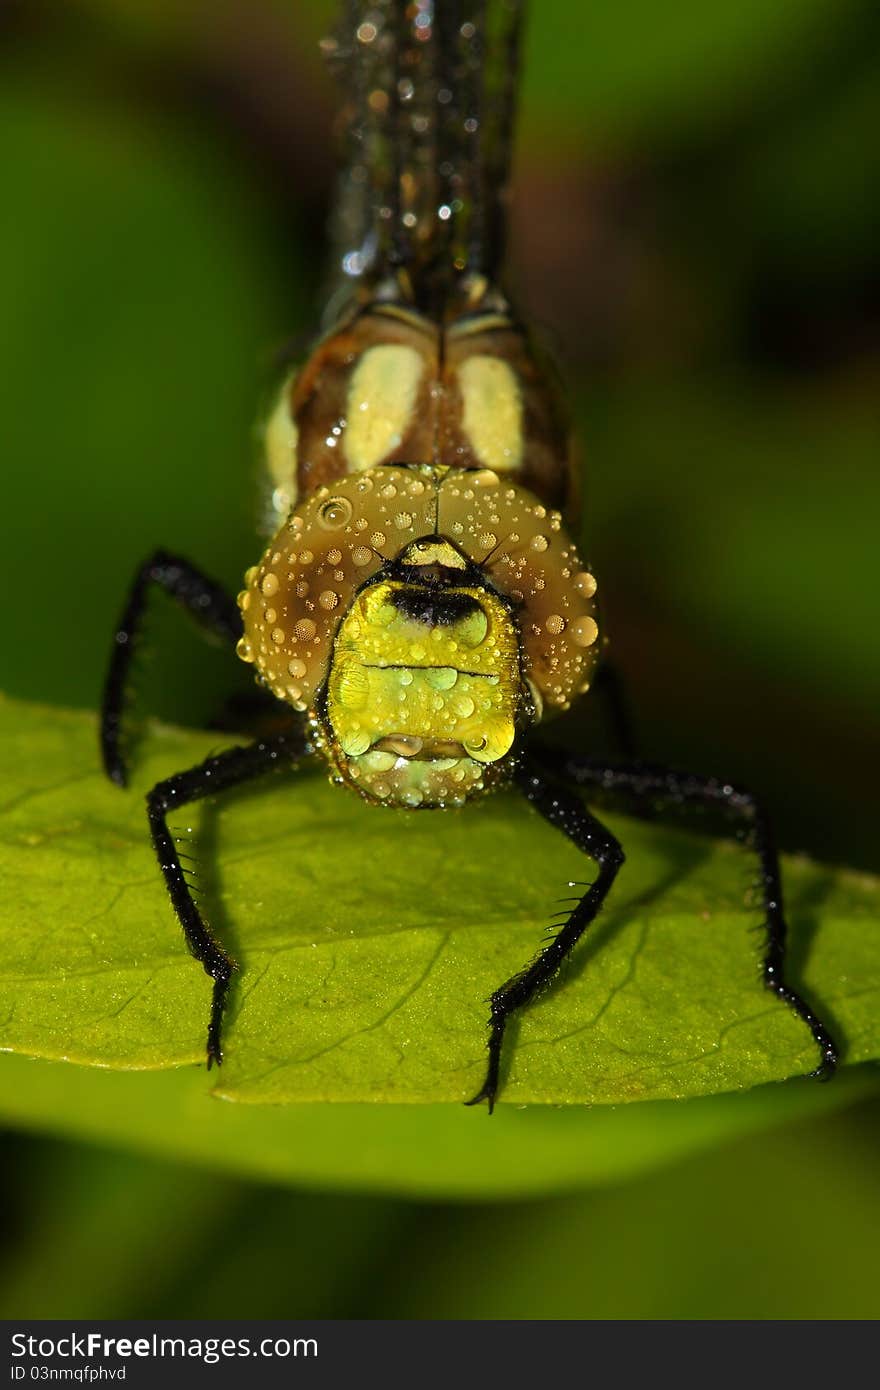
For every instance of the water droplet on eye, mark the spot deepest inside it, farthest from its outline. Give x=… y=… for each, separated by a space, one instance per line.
x=539 y=543
x=555 y=624
x=365 y=484
x=333 y=557
x=416 y=488
x=244 y=649
x=250 y=575
x=270 y=615
x=361 y=555
x=305 y=557
x=486 y=477
x=302 y=588
x=441 y=677
x=296 y=668
x=488 y=540
x=328 y=599
x=389 y=490
x=304 y=630
x=244 y=600
x=584 y=631
x=377 y=539
x=585 y=584
x=269 y=584
x=277 y=636
x=472 y=629
x=403 y=521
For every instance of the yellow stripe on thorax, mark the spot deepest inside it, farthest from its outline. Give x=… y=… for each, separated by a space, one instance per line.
x=381 y=398
x=492 y=414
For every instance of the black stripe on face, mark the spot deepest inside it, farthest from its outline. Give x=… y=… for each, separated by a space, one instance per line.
x=435 y=607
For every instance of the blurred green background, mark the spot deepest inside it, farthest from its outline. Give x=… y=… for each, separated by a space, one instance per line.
x=695 y=225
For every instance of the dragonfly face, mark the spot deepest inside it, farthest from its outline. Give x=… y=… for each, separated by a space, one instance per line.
x=424 y=616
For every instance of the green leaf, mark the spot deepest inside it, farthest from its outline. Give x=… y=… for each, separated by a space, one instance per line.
x=369 y=941
x=407 y=1150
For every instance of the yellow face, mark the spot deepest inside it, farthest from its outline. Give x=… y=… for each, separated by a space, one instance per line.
x=424 y=692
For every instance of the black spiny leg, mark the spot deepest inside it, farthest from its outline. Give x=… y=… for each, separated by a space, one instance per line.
x=568 y=814
x=215 y=774
x=194 y=591
x=644 y=787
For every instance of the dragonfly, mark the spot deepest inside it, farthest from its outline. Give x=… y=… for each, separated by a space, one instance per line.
x=421 y=606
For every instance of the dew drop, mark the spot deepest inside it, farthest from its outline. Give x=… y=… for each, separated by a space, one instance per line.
x=355 y=743
x=585 y=584
x=304 y=630
x=297 y=668
x=269 y=584
x=441 y=677
x=584 y=631
x=328 y=599
x=472 y=629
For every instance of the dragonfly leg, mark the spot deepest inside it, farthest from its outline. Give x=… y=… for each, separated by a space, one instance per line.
x=566 y=812
x=215 y=774
x=645 y=788
x=206 y=600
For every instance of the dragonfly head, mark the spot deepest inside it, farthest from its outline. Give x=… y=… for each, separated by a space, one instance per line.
x=412 y=614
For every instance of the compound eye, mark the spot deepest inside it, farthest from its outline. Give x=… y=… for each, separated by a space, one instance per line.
x=335 y=513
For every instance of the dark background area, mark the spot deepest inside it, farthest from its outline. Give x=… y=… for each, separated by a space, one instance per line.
x=695 y=227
